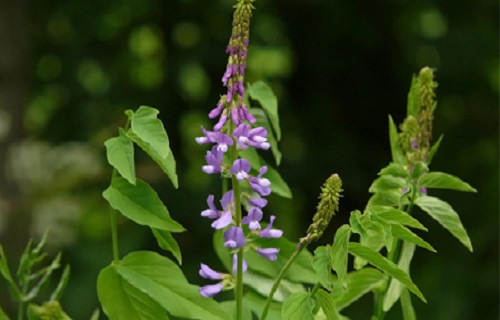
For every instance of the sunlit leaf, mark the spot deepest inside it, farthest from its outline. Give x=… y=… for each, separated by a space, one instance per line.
x=145 y=124
x=387 y=183
x=441 y=180
x=256 y=304
x=263 y=286
x=230 y=308
x=419 y=169
x=63 y=282
x=5 y=271
x=433 y=150
x=299 y=306
x=261 y=92
x=393 y=215
x=406 y=234
x=167 y=242
x=394 y=169
x=322 y=264
x=327 y=304
x=413 y=95
x=359 y=283
x=339 y=253
x=120 y=154
x=263 y=121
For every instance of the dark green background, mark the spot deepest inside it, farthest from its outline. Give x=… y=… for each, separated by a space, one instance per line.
x=69 y=69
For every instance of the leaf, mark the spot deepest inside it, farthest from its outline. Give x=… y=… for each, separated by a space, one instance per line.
x=396 y=170
x=395 y=287
x=322 y=265
x=44 y=274
x=433 y=150
x=339 y=253
x=386 y=231
x=141 y=204
x=120 y=154
x=441 y=180
x=49 y=310
x=397 y=153
x=95 y=315
x=393 y=215
x=377 y=260
x=146 y=125
x=230 y=308
x=3 y=316
x=327 y=304
x=355 y=222
x=256 y=304
x=406 y=234
x=263 y=121
x=299 y=306
x=419 y=169
x=63 y=282
x=167 y=242
x=359 y=283
x=387 y=183
x=390 y=198
x=413 y=105
x=261 y=92
x=167 y=164
x=120 y=300
x=5 y=271
x=406 y=306
x=163 y=281
x=263 y=286
x=221 y=251
x=443 y=213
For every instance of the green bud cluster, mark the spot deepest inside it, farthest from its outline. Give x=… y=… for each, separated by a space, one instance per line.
x=327 y=206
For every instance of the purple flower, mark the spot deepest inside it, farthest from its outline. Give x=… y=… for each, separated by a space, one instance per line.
x=227 y=200
x=222 y=121
x=211 y=290
x=241 y=168
x=257 y=202
x=214 y=113
x=259 y=184
x=234 y=238
x=253 y=218
x=269 y=253
x=214 y=161
x=220 y=138
x=271 y=233
x=223 y=218
x=246 y=137
x=212 y=211
x=207 y=273
x=423 y=190
x=235 y=264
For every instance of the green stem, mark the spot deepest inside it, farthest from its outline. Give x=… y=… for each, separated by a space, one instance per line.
x=114 y=237
x=278 y=280
x=20 y=314
x=315 y=289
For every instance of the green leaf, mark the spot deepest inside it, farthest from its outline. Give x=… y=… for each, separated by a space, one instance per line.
x=419 y=169
x=359 y=283
x=63 y=282
x=167 y=242
x=406 y=234
x=397 y=153
x=441 y=180
x=44 y=275
x=5 y=271
x=49 y=310
x=120 y=153
x=146 y=125
x=263 y=286
x=299 y=306
x=433 y=150
x=327 y=304
x=413 y=105
x=256 y=304
x=163 y=281
x=221 y=251
x=339 y=253
x=387 y=183
x=355 y=222
x=443 y=213
x=263 y=121
x=386 y=229
x=395 y=287
x=322 y=265
x=261 y=92
x=396 y=170
x=121 y=300
x=3 y=316
x=393 y=215
x=141 y=204
x=377 y=260
x=389 y=197
x=406 y=306
x=230 y=308
x=167 y=164
x=95 y=315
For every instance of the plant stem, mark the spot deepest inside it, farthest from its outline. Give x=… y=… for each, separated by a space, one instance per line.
x=278 y=280
x=114 y=237
x=315 y=289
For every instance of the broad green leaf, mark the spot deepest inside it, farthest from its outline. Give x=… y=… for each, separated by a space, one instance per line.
x=299 y=306
x=387 y=183
x=433 y=150
x=263 y=286
x=359 y=283
x=339 y=253
x=5 y=271
x=395 y=287
x=141 y=204
x=146 y=125
x=355 y=222
x=121 y=300
x=163 y=281
x=322 y=264
x=419 y=169
x=256 y=304
x=377 y=260
x=221 y=251
x=441 y=180
x=389 y=197
x=374 y=238
x=406 y=234
x=386 y=230
x=3 y=316
x=443 y=213
x=397 y=153
x=396 y=170
x=167 y=242
x=166 y=164
x=393 y=215
x=63 y=282
x=262 y=121
x=120 y=153
x=230 y=308
x=261 y=92
x=406 y=306
x=413 y=105
x=327 y=304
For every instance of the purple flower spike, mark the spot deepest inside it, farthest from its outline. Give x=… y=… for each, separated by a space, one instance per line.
x=241 y=168
x=269 y=253
x=241 y=135
x=259 y=184
x=235 y=116
x=257 y=202
x=207 y=273
x=225 y=219
x=216 y=111
x=235 y=264
x=222 y=141
x=212 y=211
x=211 y=290
x=257 y=137
x=234 y=238
x=214 y=161
x=271 y=233
x=253 y=218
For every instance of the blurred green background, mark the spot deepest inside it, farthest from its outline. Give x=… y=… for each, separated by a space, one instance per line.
x=68 y=70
